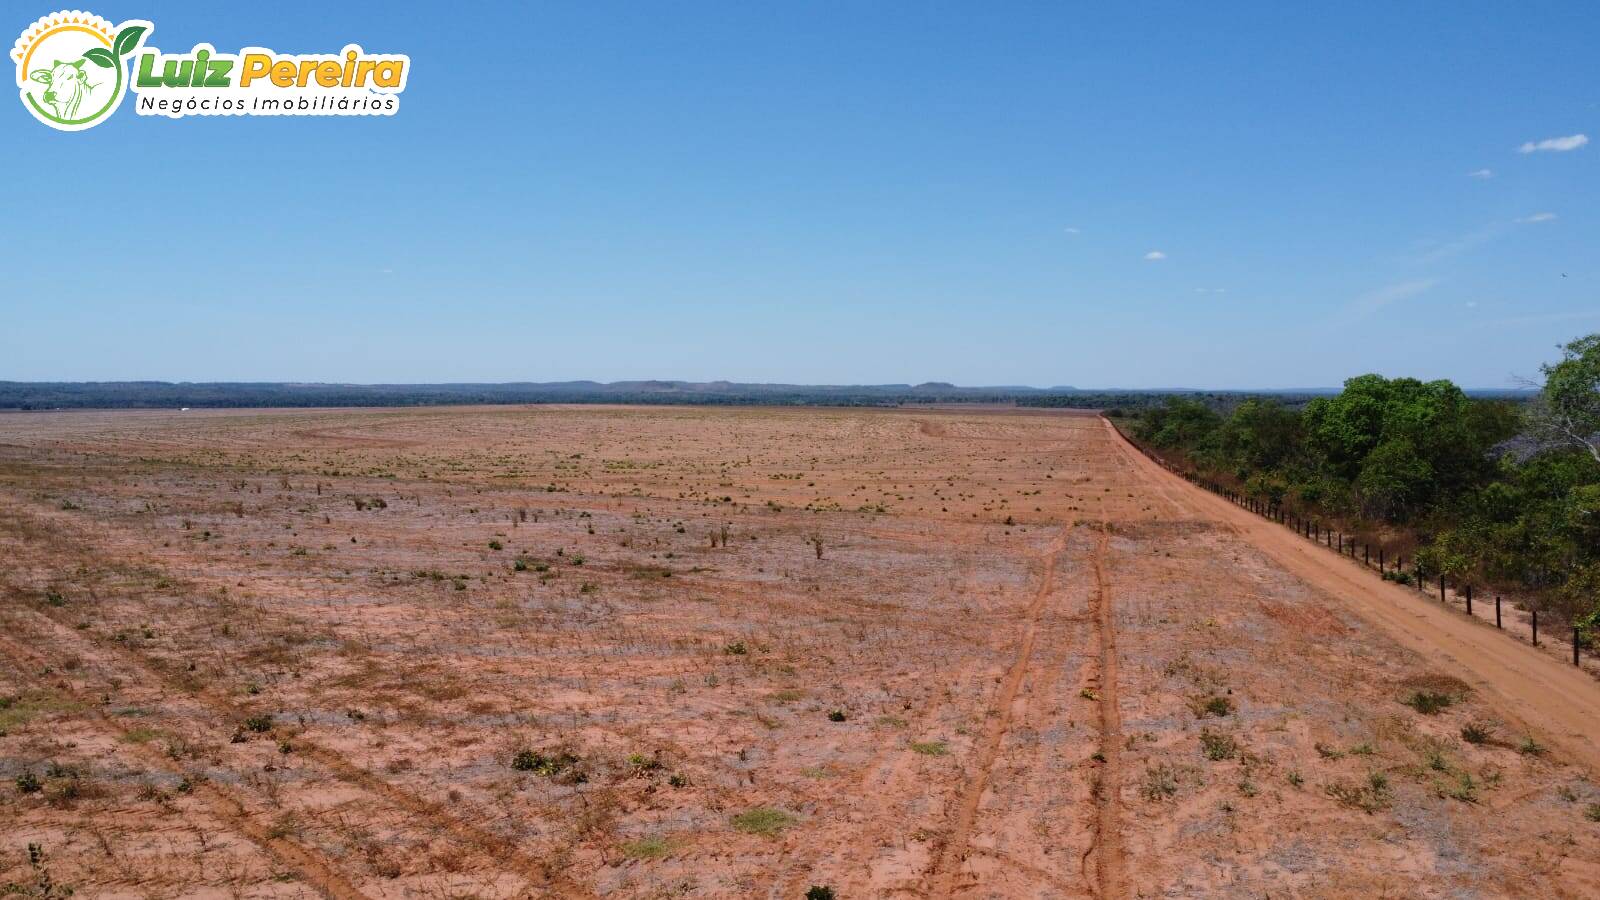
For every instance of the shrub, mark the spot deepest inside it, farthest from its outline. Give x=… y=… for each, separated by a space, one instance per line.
x=549 y=765
x=819 y=892
x=1428 y=702
x=259 y=723
x=837 y=715
x=930 y=748
x=1218 y=746
x=1476 y=733
x=28 y=783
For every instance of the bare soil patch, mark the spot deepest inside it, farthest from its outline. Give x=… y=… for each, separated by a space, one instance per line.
x=603 y=651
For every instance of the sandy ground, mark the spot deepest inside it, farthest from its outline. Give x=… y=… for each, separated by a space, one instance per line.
x=582 y=652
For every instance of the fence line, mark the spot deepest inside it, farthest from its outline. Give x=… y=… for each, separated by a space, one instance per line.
x=1313 y=530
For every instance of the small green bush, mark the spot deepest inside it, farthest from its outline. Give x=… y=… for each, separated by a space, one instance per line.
x=1428 y=702
x=549 y=765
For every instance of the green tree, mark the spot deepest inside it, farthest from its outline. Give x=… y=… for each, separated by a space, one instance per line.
x=1261 y=434
x=1569 y=407
x=1394 y=480
x=1181 y=422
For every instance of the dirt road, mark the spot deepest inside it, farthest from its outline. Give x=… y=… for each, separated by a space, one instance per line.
x=1557 y=701
x=735 y=653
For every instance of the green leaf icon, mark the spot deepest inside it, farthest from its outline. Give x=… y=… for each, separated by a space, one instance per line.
x=100 y=56
x=128 y=38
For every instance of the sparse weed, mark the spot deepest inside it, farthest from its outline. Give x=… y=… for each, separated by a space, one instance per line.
x=1369 y=797
x=763 y=820
x=1218 y=745
x=1160 y=782
x=654 y=847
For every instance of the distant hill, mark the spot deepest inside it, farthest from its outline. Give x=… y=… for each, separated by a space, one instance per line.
x=36 y=395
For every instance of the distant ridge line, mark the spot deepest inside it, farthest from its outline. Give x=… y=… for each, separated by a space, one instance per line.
x=40 y=395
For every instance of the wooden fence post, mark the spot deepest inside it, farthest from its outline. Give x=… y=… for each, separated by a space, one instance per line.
x=1497 y=610
x=1536 y=628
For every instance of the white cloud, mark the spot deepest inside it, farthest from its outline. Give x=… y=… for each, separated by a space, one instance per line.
x=1555 y=144
x=1539 y=217
x=1481 y=173
x=1373 y=301
x=1210 y=290
x=1074 y=231
x=1155 y=255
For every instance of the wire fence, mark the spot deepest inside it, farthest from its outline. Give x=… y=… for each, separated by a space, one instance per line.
x=1394 y=569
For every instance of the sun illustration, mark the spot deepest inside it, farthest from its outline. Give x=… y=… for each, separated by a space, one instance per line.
x=71 y=20
x=70 y=67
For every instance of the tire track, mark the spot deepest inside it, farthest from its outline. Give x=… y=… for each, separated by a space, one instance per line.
x=1559 y=701
x=311 y=867
x=1107 y=850
x=536 y=872
x=947 y=863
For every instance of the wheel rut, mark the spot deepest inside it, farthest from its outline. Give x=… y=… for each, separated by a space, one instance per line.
x=944 y=874
x=1105 y=854
x=311 y=867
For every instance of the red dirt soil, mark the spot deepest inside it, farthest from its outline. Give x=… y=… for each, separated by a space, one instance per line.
x=585 y=652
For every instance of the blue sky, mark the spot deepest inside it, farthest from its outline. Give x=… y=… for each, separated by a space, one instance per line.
x=833 y=193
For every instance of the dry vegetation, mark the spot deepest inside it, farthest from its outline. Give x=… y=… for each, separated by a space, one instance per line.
x=700 y=652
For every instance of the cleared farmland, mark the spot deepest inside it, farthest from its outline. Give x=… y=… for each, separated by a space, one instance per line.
x=660 y=652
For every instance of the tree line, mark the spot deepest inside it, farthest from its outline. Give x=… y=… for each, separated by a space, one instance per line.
x=1493 y=492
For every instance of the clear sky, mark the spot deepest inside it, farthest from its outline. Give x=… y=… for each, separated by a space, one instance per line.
x=1134 y=195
